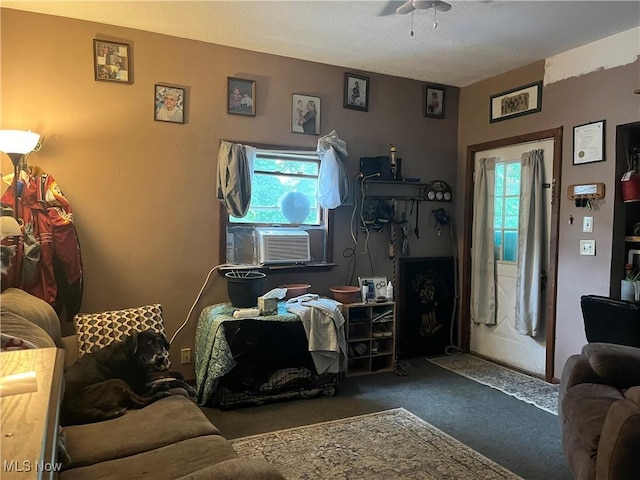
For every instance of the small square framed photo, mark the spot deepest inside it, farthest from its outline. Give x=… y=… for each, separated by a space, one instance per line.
x=356 y=92
x=242 y=96
x=111 y=61
x=305 y=114
x=169 y=104
x=433 y=101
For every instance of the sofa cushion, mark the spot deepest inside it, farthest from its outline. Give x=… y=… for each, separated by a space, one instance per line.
x=585 y=408
x=164 y=422
x=97 y=330
x=18 y=326
x=32 y=309
x=618 y=365
x=633 y=394
x=170 y=461
x=620 y=442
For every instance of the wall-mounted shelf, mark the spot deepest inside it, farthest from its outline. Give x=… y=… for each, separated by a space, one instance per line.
x=395 y=189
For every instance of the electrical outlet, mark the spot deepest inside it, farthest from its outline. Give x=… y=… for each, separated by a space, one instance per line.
x=185 y=356
x=587 y=224
x=587 y=247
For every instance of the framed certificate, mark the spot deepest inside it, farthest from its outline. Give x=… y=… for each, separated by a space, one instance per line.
x=588 y=143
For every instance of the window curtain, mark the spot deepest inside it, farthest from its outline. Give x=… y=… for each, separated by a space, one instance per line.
x=233 y=183
x=530 y=245
x=483 y=271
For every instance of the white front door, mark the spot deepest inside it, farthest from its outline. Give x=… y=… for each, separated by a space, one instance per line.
x=502 y=342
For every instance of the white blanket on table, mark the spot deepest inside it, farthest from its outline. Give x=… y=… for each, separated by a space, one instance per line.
x=324 y=325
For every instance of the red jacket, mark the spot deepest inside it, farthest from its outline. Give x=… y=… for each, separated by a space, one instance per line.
x=58 y=270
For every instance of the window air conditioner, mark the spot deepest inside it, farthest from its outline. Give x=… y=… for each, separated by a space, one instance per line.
x=282 y=245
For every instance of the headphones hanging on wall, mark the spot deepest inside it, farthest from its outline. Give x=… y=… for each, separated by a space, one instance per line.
x=441 y=216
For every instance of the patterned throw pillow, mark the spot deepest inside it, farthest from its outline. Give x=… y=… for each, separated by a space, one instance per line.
x=97 y=330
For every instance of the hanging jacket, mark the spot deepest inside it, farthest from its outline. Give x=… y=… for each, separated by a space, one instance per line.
x=48 y=219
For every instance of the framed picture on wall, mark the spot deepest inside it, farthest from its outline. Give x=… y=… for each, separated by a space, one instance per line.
x=516 y=103
x=433 y=101
x=111 y=61
x=426 y=299
x=588 y=143
x=242 y=96
x=169 y=103
x=356 y=92
x=305 y=114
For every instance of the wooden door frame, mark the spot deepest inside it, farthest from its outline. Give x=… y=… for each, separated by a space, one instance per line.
x=552 y=274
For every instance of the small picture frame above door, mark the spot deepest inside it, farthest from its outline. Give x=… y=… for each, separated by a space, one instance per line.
x=516 y=102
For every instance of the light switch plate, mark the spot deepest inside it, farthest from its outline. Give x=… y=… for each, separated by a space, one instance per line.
x=587 y=247
x=587 y=224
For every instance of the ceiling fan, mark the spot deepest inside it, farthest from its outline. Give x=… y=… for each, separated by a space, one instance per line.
x=402 y=8
x=411 y=5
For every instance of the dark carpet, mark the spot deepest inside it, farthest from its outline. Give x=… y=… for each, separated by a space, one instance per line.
x=515 y=434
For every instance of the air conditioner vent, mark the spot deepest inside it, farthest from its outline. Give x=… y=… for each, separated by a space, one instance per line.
x=282 y=245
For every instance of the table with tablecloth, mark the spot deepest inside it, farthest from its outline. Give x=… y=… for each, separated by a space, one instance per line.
x=249 y=361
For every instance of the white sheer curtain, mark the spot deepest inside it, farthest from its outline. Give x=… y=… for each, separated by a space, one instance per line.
x=483 y=271
x=530 y=245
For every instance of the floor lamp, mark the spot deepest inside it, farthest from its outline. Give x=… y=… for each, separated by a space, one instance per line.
x=17 y=144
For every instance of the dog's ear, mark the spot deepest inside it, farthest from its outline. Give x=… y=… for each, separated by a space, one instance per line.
x=165 y=342
x=133 y=342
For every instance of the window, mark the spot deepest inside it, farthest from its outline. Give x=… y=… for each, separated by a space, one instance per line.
x=284 y=190
x=284 y=193
x=507 y=204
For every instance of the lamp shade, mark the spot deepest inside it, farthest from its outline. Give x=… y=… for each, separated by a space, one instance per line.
x=18 y=141
x=9 y=227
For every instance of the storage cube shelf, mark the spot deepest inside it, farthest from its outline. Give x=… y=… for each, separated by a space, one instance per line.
x=370 y=331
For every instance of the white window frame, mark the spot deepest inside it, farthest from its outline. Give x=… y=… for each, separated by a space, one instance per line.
x=322 y=242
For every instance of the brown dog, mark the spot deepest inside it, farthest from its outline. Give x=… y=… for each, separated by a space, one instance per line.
x=104 y=384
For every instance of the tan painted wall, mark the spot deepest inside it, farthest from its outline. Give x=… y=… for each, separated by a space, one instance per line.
x=143 y=191
x=604 y=94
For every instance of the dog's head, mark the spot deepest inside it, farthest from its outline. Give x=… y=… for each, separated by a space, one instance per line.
x=151 y=349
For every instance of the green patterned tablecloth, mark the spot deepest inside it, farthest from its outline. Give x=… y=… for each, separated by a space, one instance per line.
x=213 y=355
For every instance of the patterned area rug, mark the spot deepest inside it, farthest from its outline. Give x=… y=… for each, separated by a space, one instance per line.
x=393 y=444
x=523 y=387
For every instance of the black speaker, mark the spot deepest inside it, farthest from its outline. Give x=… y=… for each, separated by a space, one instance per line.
x=372 y=165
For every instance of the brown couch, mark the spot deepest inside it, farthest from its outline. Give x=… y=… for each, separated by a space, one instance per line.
x=169 y=439
x=599 y=412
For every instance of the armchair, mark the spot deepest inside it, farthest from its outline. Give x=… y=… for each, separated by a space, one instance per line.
x=599 y=412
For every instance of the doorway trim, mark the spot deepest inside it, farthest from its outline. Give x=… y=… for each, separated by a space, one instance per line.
x=552 y=274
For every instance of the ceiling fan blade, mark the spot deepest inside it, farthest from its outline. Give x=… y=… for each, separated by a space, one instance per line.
x=405 y=8
x=390 y=8
x=441 y=6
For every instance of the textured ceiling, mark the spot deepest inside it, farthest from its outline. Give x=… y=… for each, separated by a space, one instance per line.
x=473 y=41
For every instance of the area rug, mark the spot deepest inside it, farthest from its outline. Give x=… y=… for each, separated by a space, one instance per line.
x=389 y=445
x=523 y=387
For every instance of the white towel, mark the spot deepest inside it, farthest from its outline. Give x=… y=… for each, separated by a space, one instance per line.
x=324 y=325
